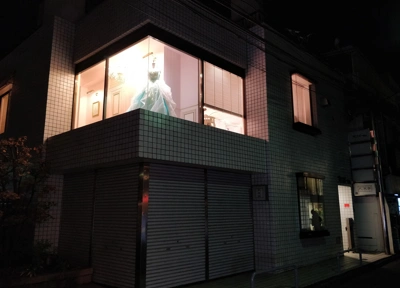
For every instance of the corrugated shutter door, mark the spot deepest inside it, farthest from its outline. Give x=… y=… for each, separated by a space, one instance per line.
x=76 y=218
x=230 y=224
x=115 y=222
x=176 y=227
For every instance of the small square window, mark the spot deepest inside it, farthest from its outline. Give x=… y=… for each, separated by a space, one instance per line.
x=311 y=205
x=304 y=117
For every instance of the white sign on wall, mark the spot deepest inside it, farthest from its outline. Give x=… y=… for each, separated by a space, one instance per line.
x=359 y=136
x=364 y=189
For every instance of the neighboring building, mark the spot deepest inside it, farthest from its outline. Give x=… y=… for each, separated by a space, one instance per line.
x=237 y=166
x=373 y=106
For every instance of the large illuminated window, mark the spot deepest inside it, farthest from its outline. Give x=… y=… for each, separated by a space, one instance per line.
x=149 y=75
x=154 y=76
x=4 y=99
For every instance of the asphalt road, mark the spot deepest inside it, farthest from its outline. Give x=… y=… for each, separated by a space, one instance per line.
x=386 y=275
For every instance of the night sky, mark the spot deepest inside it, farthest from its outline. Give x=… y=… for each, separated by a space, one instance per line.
x=374 y=26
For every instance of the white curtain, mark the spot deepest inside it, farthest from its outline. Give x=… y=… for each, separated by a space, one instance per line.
x=301 y=99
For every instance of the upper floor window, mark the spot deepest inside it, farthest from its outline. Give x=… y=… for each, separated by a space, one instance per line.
x=4 y=99
x=303 y=115
x=155 y=76
x=301 y=99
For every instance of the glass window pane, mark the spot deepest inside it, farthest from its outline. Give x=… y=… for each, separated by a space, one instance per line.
x=3 y=112
x=301 y=99
x=223 y=89
x=127 y=76
x=163 y=80
x=223 y=120
x=311 y=205
x=89 y=91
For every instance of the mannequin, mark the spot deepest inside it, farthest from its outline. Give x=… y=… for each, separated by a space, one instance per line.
x=156 y=96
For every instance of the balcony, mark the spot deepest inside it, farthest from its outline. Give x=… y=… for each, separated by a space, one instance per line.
x=144 y=136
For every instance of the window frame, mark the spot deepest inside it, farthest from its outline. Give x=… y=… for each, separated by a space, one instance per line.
x=301 y=126
x=5 y=91
x=309 y=233
x=149 y=30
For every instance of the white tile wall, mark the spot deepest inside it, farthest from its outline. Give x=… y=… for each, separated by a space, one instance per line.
x=49 y=230
x=61 y=80
x=290 y=151
x=58 y=112
x=148 y=135
x=214 y=35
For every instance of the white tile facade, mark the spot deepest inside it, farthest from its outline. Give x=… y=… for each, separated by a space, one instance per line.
x=268 y=115
x=141 y=134
x=290 y=151
x=58 y=112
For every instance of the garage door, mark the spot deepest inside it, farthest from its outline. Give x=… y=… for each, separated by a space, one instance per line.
x=176 y=226
x=115 y=222
x=230 y=224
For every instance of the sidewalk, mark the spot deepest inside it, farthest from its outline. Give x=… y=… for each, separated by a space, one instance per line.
x=312 y=276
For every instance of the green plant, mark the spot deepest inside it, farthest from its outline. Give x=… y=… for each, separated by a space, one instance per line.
x=24 y=197
x=44 y=259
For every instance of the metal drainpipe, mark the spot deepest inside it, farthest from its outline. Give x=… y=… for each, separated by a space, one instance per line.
x=381 y=189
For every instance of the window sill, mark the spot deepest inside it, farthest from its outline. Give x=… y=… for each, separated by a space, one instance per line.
x=314 y=234
x=304 y=128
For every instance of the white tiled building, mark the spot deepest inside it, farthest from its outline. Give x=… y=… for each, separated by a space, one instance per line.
x=222 y=181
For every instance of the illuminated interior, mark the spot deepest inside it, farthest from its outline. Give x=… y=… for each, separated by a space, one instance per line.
x=3 y=112
x=154 y=76
x=301 y=99
x=223 y=120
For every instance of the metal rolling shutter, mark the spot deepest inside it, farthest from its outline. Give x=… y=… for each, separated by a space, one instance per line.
x=76 y=218
x=115 y=222
x=230 y=224
x=176 y=227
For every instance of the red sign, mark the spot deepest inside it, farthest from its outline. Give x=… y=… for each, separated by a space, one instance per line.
x=346 y=205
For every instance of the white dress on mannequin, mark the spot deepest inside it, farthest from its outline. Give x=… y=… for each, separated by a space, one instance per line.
x=156 y=96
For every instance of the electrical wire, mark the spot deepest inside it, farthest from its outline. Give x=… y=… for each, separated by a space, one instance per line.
x=271 y=30
x=283 y=76
x=252 y=34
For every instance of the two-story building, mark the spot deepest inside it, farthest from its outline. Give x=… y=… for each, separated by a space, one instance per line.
x=184 y=147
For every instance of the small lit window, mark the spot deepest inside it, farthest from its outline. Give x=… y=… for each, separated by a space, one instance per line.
x=4 y=99
x=303 y=98
x=311 y=205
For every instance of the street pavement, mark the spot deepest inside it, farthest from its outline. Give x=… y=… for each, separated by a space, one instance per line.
x=381 y=274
